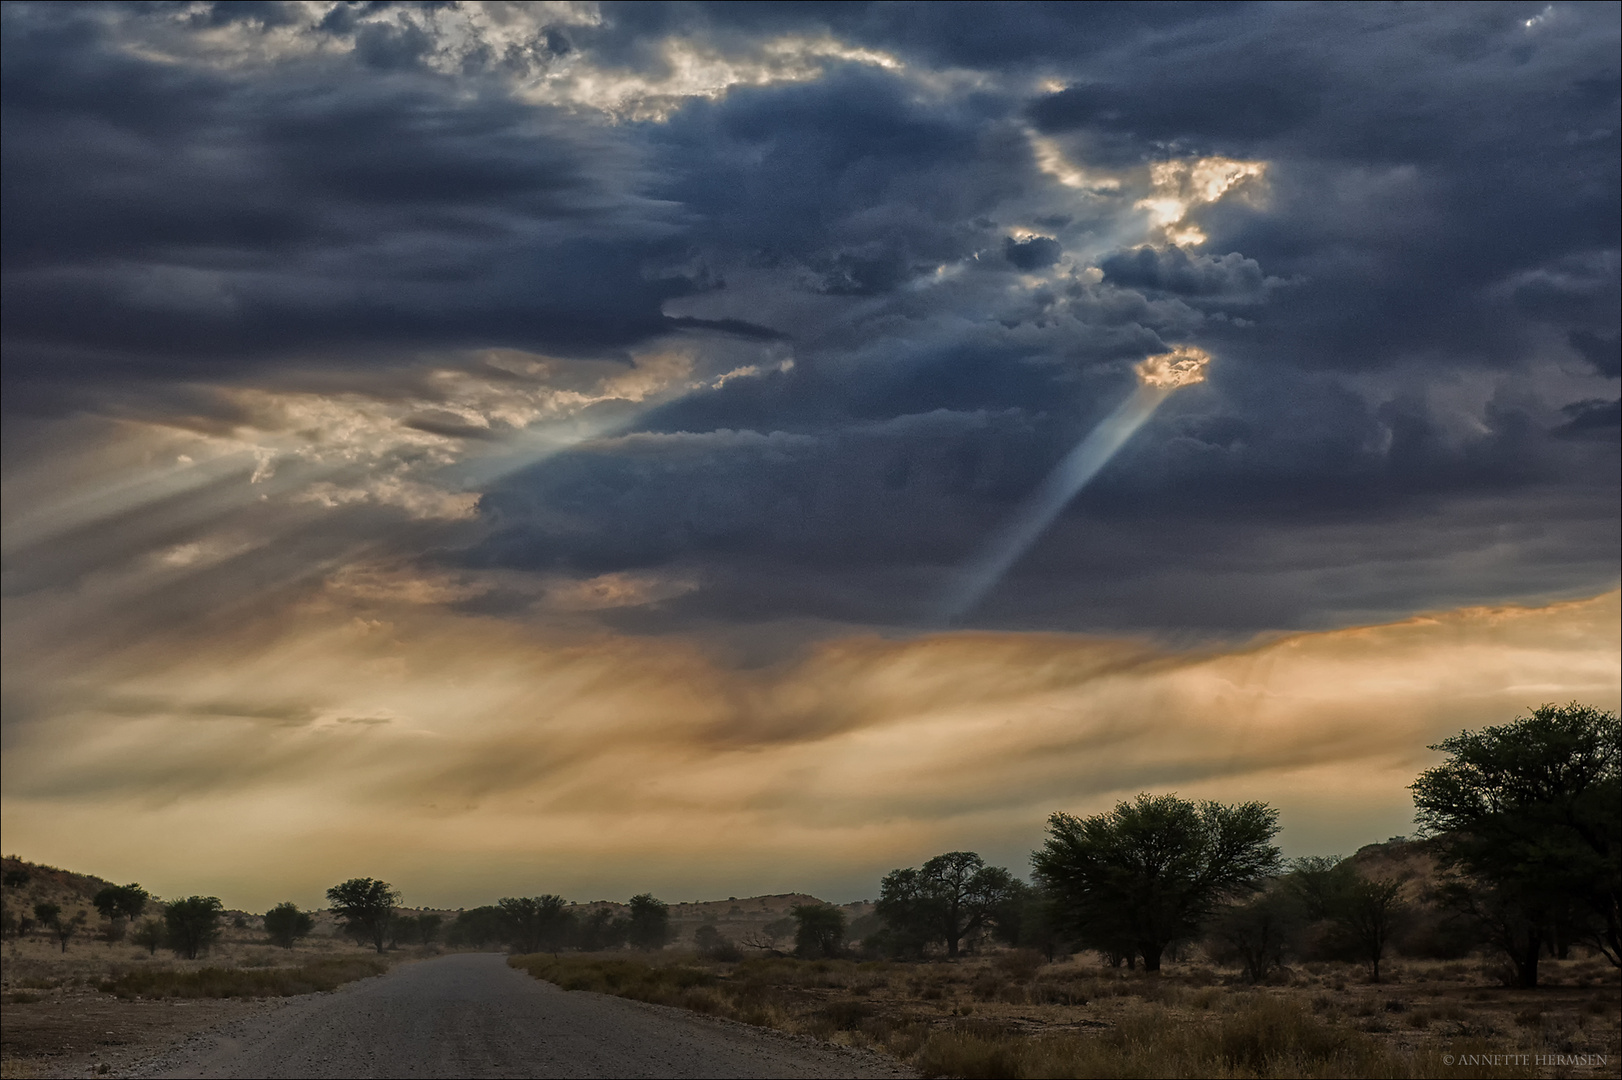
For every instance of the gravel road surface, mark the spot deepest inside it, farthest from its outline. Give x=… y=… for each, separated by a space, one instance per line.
x=471 y=1015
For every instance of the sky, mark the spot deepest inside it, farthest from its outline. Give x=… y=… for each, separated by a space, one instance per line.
x=516 y=448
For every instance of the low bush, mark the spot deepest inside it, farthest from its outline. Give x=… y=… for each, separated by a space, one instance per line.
x=661 y=984
x=954 y=1020
x=213 y=982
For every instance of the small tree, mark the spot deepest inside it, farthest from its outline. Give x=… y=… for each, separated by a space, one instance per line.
x=477 y=927
x=365 y=906
x=120 y=905
x=1258 y=932
x=285 y=924
x=428 y=925
x=650 y=923
x=602 y=930
x=821 y=930
x=50 y=917
x=402 y=930
x=1358 y=916
x=192 y=924
x=1532 y=812
x=951 y=897
x=536 y=923
x=1154 y=870
x=149 y=935
x=1370 y=913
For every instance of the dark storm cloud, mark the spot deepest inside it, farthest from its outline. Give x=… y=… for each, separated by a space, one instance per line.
x=169 y=220
x=1032 y=254
x=1173 y=270
x=1413 y=317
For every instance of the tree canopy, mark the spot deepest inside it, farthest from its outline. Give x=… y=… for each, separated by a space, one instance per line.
x=286 y=924
x=192 y=924
x=1154 y=870
x=536 y=923
x=121 y=901
x=365 y=905
x=949 y=898
x=649 y=927
x=1532 y=812
x=820 y=931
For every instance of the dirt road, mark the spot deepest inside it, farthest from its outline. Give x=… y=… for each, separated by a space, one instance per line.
x=471 y=1015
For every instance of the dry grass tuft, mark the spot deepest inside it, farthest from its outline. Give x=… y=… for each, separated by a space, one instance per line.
x=215 y=982
x=1007 y=1015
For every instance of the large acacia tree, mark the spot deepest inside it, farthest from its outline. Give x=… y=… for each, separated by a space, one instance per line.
x=1154 y=870
x=1530 y=813
x=951 y=897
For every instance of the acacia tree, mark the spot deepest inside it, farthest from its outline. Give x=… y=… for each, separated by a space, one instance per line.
x=536 y=923
x=1257 y=932
x=949 y=898
x=649 y=927
x=50 y=916
x=1531 y=812
x=1362 y=914
x=820 y=931
x=192 y=924
x=602 y=929
x=285 y=924
x=1368 y=915
x=477 y=927
x=149 y=935
x=365 y=905
x=120 y=905
x=1154 y=870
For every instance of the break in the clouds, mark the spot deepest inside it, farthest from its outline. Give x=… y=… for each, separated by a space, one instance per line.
x=749 y=325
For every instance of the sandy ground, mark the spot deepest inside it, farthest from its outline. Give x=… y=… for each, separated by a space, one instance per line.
x=85 y=1033
x=470 y=1015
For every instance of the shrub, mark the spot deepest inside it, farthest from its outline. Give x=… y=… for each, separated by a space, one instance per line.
x=213 y=982
x=286 y=924
x=192 y=924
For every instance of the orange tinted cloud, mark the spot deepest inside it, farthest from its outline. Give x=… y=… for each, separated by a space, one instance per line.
x=369 y=730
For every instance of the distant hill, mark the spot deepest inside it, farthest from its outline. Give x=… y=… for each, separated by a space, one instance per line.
x=734 y=917
x=47 y=884
x=1399 y=857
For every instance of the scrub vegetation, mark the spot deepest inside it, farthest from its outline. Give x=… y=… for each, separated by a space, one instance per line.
x=1012 y=1013
x=1170 y=938
x=1162 y=937
x=228 y=982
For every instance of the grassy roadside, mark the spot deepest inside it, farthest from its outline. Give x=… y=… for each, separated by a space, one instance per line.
x=215 y=982
x=110 y=1003
x=1011 y=1016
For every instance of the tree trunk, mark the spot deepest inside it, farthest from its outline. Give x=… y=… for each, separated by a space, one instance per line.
x=1526 y=966
x=1151 y=955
